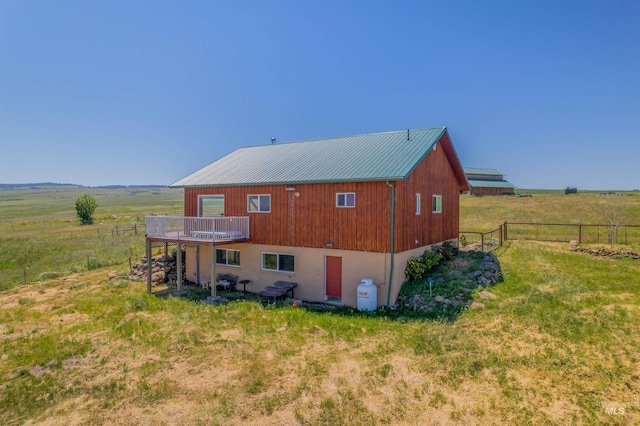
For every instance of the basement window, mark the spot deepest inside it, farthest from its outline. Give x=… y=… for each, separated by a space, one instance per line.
x=278 y=262
x=437 y=204
x=346 y=199
x=227 y=257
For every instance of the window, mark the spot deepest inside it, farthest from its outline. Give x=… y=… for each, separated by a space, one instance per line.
x=228 y=257
x=417 y=203
x=259 y=203
x=437 y=204
x=346 y=199
x=277 y=262
x=211 y=205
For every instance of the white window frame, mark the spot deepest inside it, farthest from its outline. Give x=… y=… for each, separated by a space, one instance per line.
x=436 y=203
x=226 y=258
x=278 y=261
x=346 y=196
x=260 y=196
x=418 y=206
x=202 y=197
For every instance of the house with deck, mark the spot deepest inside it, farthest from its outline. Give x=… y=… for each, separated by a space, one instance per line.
x=321 y=213
x=488 y=182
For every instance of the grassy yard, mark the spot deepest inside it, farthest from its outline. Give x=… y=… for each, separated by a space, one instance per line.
x=560 y=343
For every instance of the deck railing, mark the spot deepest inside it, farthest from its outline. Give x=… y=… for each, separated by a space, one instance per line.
x=198 y=228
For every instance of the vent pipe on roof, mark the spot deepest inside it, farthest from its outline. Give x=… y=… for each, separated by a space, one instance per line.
x=273 y=140
x=408 y=136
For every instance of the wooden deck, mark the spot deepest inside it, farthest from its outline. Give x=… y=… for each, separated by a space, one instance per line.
x=200 y=230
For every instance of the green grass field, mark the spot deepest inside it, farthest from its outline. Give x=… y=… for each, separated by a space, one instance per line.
x=40 y=236
x=560 y=343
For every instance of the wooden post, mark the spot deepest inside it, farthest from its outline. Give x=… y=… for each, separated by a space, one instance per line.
x=213 y=270
x=148 y=267
x=579 y=233
x=197 y=265
x=179 y=266
x=166 y=249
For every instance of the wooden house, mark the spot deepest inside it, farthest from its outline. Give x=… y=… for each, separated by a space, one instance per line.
x=322 y=213
x=488 y=182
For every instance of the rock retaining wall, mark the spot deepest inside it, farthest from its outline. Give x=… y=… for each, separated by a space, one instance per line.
x=163 y=270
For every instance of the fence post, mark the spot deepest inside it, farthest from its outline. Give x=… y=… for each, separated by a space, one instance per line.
x=579 y=233
x=135 y=229
x=501 y=228
x=482 y=240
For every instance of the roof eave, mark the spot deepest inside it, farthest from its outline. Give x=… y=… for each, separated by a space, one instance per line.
x=297 y=182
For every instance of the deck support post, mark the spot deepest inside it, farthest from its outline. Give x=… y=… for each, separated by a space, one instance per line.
x=149 y=269
x=179 y=259
x=213 y=270
x=197 y=265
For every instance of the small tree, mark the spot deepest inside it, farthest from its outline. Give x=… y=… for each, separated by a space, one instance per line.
x=614 y=218
x=86 y=205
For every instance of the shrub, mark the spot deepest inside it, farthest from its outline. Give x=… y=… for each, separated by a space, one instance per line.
x=418 y=267
x=431 y=259
x=448 y=250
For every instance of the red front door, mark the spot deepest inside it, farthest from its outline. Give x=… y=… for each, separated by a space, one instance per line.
x=333 y=274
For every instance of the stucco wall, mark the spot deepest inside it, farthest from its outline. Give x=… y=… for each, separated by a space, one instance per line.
x=309 y=270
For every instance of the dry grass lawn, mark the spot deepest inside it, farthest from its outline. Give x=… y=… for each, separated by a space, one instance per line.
x=558 y=345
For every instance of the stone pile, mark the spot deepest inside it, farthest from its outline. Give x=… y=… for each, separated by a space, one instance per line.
x=487 y=274
x=601 y=251
x=163 y=270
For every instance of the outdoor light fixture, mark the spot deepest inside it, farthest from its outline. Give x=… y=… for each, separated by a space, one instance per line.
x=330 y=244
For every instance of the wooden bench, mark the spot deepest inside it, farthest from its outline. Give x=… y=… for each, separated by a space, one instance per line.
x=227 y=281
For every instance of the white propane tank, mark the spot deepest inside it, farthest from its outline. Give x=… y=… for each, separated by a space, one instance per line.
x=367 y=295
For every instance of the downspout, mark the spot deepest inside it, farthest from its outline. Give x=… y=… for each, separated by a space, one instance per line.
x=392 y=242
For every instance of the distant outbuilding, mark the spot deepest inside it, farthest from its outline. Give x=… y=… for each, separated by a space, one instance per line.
x=488 y=182
x=570 y=190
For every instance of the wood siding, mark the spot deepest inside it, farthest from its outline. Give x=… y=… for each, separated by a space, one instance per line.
x=311 y=218
x=433 y=176
x=481 y=190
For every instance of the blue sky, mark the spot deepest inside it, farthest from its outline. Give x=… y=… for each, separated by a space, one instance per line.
x=146 y=92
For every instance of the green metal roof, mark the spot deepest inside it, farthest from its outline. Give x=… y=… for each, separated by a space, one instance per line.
x=476 y=183
x=375 y=156
x=477 y=171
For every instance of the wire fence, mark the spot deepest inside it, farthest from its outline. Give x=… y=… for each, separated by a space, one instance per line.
x=565 y=232
x=485 y=241
x=553 y=232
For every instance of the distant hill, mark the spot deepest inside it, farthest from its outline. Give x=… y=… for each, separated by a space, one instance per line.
x=70 y=185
